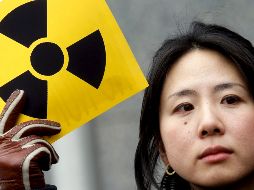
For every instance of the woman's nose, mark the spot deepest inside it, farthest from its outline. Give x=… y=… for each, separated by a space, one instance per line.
x=210 y=123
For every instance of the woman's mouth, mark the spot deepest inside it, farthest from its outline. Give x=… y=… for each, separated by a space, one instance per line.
x=215 y=154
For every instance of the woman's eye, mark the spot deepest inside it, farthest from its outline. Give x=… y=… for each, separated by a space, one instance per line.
x=231 y=99
x=185 y=107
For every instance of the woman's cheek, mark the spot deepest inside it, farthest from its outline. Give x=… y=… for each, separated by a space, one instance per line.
x=242 y=126
x=176 y=138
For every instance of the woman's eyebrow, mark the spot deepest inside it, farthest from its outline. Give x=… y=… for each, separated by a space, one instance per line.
x=225 y=86
x=184 y=92
x=217 y=88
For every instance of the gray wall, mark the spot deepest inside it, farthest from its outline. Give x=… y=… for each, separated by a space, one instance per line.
x=99 y=156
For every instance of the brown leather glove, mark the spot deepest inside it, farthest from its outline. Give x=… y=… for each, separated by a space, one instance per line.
x=23 y=152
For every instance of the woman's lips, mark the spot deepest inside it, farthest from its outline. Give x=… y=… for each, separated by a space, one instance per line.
x=215 y=154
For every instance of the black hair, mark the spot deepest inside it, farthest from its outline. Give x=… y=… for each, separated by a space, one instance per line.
x=199 y=36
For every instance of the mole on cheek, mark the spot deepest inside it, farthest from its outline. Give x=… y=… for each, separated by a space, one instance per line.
x=185 y=123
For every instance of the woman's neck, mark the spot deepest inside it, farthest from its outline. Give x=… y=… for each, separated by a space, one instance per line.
x=246 y=183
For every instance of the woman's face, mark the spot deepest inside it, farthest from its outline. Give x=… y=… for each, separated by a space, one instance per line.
x=207 y=120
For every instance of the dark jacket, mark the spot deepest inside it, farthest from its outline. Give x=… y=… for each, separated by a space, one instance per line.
x=48 y=187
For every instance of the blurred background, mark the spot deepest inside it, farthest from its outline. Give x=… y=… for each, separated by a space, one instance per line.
x=100 y=154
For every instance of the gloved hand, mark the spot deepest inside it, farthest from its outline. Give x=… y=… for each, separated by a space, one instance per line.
x=23 y=152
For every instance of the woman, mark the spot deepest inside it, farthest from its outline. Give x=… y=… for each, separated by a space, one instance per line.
x=198 y=113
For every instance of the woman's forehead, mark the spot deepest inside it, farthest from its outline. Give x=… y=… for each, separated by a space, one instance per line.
x=202 y=67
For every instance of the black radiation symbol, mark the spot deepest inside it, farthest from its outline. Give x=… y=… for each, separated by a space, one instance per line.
x=87 y=58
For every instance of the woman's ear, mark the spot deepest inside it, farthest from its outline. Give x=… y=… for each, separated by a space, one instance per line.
x=163 y=154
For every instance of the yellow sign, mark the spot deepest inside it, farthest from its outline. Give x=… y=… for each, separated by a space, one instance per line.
x=70 y=58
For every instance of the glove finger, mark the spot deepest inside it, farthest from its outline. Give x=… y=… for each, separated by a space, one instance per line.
x=32 y=140
x=11 y=110
x=34 y=127
x=37 y=155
